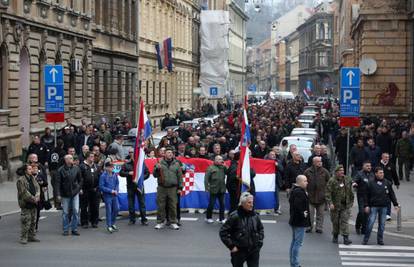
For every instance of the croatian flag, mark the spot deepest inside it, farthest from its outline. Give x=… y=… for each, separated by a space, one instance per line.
x=308 y=90
x=164 y=54
x=195 y=196
x=143 y=133
x=243 y=169
x=159 y=51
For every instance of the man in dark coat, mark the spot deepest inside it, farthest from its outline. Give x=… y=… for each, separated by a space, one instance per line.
x=133 y=191
x=243 y=233
x=299 y=217
x=390 y=173
x=294 y=168
x=373 y=152
x=358 y=156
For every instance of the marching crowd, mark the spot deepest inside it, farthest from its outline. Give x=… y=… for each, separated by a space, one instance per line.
x=81 y=170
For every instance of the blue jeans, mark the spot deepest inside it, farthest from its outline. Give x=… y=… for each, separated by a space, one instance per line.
x=67 y=205
x=298 y=233
x=111 y=208
x=382 y=213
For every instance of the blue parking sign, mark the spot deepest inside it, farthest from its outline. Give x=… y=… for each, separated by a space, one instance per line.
x=213 y=91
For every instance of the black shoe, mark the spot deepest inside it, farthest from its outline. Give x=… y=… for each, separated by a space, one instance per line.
x=347 y=241
x=381 y=243
x=94 y=226
x=131 y=223
x=65 y=233
x=144 y=222
x=76 y=233
x=319 y=231
x=335 y=239
x=309 y=230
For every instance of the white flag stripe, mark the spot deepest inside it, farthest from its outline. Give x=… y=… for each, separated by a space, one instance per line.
x=377 y=264
x=376 y=254
x=368 y=247
x=263 y=183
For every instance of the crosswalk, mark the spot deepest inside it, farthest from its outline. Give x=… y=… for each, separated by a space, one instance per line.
x=376 y=256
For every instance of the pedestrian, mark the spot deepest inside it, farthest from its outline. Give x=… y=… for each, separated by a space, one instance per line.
x=56 y=161
x=38 y=148
x=358 y=156
x=318 y=177
x=243 y=233
x=133 y=191
x=109 y=186
x=373 y=152
x=69 y=184
x=404 y=152
x=390 y=173
x=90 y=197
x=28 y=194
x=215 y=185
x=294 y=168
x=41 y=179
x=169 y=177
x=340 y=199
x=299 y=217
x=117 y=144
x=360 y=182
x=232 y=182
x=379 y=193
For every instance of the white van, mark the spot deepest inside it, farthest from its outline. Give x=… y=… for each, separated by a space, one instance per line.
x=283 y=95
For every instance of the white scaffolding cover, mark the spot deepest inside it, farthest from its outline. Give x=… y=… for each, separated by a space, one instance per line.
x=214 y=50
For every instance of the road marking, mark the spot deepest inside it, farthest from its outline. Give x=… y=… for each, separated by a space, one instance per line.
x=269 y=221
x=342 y=246
x=42 y=217
x=379 y=254
x=388 y=233
x=359 y=259
x=10 y=213
x=377 y=264
x=152 y=218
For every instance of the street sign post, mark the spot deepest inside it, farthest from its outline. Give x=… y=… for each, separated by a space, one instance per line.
x=349 y=102
x=54 y=95
x=213 y=91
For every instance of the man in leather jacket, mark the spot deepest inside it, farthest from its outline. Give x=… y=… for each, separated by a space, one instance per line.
x=243 y=233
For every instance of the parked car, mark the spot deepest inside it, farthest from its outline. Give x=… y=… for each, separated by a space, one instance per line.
x=306 y=119
x=303 y=144
x=305 y=132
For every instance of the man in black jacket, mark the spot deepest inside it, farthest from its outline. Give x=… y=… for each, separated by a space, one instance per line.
x=390 y=173
x=89 y=199
x=294 y=168
x=379 y=193
x=299 y=217
x=360 y=181
x=68 y=184
x=243 y=233
x=358 y=156
x=55 y=161
x=132 y=189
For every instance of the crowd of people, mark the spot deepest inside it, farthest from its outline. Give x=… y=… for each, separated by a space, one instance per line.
x=81 y=171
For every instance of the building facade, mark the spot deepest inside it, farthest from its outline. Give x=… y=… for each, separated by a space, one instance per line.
x=383 y=31
x=316 y=68
x=32 y=35
x=292 y=63
x=163 y=91
x=115 y=59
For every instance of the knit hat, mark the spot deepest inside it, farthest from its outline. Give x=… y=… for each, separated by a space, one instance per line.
x=340 y=166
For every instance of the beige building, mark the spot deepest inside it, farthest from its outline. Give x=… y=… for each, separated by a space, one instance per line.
x=33 y=34
x=163 y=91
x=292 y=63
x=383 y=31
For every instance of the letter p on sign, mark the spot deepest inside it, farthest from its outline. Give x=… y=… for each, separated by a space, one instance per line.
x=51 y=92
x=347 y=96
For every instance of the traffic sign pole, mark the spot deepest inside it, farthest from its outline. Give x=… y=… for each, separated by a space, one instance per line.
x=55 y=132
x=347 y=151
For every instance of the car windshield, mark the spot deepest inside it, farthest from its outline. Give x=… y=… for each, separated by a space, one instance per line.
x=300 y=142
x=306 y=117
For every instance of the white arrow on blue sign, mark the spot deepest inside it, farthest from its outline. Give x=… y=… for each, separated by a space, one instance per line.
x=350 y=77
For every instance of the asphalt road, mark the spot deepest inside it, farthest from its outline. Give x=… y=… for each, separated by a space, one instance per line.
x=195 y=244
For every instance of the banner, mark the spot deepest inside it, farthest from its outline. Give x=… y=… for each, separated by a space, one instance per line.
x=194 y=195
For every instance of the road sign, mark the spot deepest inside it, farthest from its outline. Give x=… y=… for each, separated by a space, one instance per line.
x=54 y=93
x=252 y=88
x=349 y=121
x=349 y=95
x=213 y=91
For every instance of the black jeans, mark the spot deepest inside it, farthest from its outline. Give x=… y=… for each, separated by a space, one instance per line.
x=362 y=217
x=211 y=202
x=407 y=168
x=243 y=255
x=233 y=200
x=132 y=192
x=89 y=204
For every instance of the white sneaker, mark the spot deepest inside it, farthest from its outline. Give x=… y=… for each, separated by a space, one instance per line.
x=388 y=218
x=209 y=221
x=174 y=226
x=159 y=226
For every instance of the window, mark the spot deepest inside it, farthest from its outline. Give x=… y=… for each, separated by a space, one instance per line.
x=165 y=93
x=322 y=58
x=120 y=93
x=105 y=92
x=133 y=20
x=154 y=89
x=98 y=11
x=3 y=77
x=72 y=86
x=146 y=92
x=42 y=62
x=126 y=17
x=96 y=90
x=160 y=93
x=85 y=81
x=105 y=18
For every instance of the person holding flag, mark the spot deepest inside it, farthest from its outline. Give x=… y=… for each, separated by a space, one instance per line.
x=243 y=171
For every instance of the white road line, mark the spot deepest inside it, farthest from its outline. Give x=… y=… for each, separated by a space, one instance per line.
x=363 y=247
x=387 y=233
x=269 y=221
x=152 y=218
x=42 y=217
x=377 y=264
x=376 y=254
x=369 y=259
x=10 y=213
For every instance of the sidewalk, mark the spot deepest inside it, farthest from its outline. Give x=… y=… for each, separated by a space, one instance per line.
x=8 y=198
